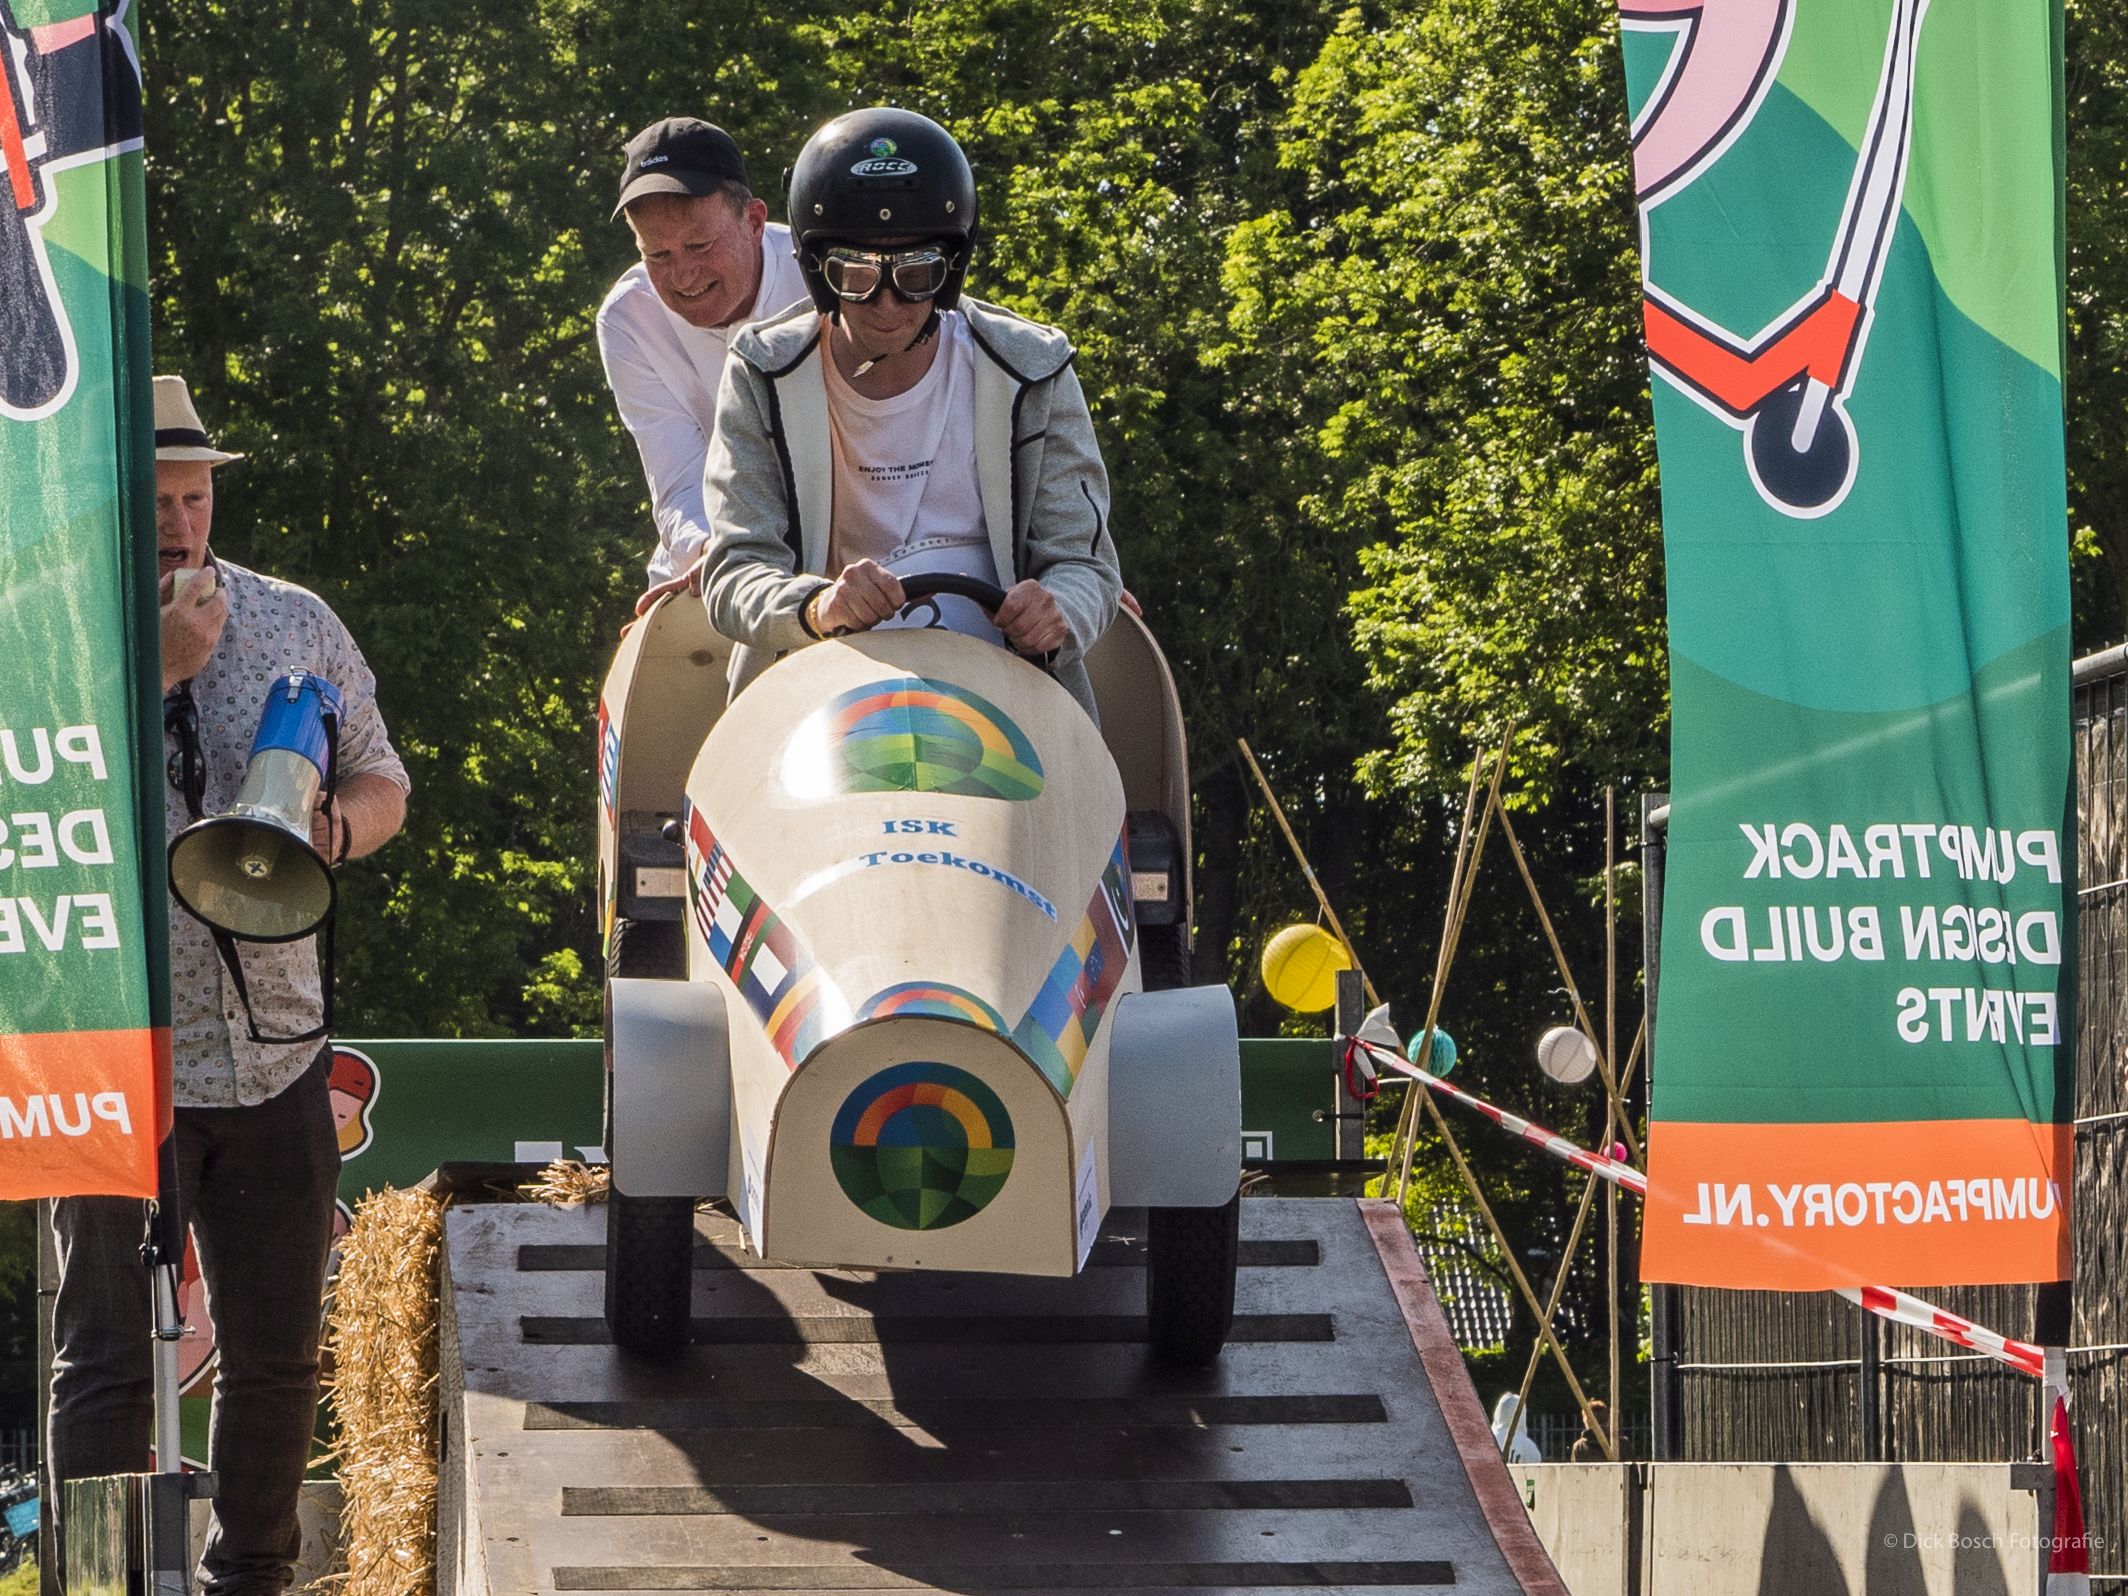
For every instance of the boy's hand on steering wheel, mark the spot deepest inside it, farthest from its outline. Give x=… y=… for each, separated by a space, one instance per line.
x=1030 y=619
x=864 y=595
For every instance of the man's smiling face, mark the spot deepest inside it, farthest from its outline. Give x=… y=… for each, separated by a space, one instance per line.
x=703 y=255
x=184 y=514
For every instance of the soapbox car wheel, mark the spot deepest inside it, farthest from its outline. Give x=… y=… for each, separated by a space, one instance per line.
x=1164 y=956
x=650 y=1244
x=650 y=1241
x=1190 y=1259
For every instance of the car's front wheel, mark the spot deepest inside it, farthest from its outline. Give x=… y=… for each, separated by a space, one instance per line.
x=650 y=1244
x=649 y=1240
x=1191 y=1258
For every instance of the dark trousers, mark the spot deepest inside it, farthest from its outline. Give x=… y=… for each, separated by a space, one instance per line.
x=256 y=1185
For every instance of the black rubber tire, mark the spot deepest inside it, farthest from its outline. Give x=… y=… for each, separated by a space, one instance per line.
x=650 y=1247
x=1164 y=957
x=1190 y=1259
x=652 y=950
x=650 y=1241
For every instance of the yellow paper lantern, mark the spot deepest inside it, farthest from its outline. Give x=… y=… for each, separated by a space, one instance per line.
x=1300 y=968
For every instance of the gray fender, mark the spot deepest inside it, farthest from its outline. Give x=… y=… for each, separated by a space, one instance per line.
x=672 y=1093
x=1174 y=1099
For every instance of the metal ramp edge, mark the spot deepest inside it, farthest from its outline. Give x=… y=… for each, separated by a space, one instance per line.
x=839 y=1430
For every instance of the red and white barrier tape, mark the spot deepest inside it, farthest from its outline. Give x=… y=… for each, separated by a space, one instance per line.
x=2019 y=1355
x=2022 y=1356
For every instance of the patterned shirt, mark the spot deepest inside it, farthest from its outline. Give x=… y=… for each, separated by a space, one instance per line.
x=274 y=628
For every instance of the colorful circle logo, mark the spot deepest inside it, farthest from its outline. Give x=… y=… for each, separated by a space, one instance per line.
x=935 y=998
x=921 y=1146
x=913 y=735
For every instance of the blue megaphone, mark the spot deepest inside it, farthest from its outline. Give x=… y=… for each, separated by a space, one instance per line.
x=252 y=871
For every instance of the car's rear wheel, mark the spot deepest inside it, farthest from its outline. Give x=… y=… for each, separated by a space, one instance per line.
x=1191 y=1257
x=1164 y=956
x=649 y=949
x=649 y=1240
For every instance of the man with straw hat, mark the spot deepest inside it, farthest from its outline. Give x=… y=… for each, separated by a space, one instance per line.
x=257 y=1153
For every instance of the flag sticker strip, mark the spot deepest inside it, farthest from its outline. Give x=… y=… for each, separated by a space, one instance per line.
x=609 y=737
x=1065 y=1016
x=772 y=970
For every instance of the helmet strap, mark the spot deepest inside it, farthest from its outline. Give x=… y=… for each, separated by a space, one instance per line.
x=923 y=336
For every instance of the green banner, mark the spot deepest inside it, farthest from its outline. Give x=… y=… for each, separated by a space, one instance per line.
x=1851 y=220
x=83 y=997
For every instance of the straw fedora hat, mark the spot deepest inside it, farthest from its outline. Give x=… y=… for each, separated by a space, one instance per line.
x=178 y=433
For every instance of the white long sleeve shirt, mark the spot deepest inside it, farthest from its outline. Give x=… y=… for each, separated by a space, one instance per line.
x=664 y=374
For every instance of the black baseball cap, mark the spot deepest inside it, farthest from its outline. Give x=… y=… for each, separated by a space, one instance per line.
x=679 y=155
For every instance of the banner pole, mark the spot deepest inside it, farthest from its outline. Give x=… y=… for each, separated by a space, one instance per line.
x=1615 y=1101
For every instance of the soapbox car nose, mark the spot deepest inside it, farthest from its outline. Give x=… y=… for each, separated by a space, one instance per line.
x=922 y=1004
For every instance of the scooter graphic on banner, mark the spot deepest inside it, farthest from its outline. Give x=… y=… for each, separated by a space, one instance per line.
x=1785 y=389
x=69 y=95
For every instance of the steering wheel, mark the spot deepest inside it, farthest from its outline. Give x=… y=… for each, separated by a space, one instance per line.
x=935 y=584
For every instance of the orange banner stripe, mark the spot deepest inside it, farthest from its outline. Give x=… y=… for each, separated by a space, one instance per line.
x=1817 y=1207
x=81 y=1113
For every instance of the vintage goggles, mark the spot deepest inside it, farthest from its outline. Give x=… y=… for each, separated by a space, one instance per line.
x=857 y=275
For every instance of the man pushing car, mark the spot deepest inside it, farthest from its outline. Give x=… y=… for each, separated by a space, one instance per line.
x=892 y=427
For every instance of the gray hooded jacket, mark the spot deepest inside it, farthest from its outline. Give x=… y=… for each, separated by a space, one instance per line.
x=768 y=485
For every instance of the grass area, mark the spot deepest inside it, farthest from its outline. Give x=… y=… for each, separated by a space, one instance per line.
x=22 y=1582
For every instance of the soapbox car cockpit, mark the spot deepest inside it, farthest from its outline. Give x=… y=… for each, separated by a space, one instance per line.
x=898 y=965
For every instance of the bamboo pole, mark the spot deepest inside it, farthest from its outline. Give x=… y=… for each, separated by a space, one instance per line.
x=1573 y=1243
x=1407 y=1113
x=1514 y=1268
x=1459 y=904
x=1322 y=898
x=1573 y=992
x=1551 y=1311
x=1451 y=939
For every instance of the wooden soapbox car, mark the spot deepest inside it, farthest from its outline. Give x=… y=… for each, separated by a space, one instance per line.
x=898 y=965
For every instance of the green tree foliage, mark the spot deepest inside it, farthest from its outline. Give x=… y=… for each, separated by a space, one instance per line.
x=1463 y=271
x=2095 y=375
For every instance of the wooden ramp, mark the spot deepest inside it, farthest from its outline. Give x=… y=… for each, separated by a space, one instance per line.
x=859 y=1432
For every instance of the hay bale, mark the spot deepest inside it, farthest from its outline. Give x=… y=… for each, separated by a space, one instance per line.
x=568 y=1184
x=382 y=1333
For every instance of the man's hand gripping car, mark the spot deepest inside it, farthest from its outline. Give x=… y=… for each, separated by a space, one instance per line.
x=903 y=978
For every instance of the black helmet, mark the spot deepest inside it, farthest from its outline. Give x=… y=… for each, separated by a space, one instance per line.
x=880 y=173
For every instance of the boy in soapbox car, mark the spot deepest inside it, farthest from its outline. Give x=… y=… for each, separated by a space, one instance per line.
x=899 y=934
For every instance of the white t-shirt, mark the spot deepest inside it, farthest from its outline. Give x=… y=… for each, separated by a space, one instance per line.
x=664 y=374
x=906 y=491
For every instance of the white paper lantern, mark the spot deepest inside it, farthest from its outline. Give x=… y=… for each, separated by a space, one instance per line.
x=1566 y=1055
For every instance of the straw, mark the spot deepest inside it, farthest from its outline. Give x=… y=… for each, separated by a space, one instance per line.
x=566 y=1183
x=383 y=1389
